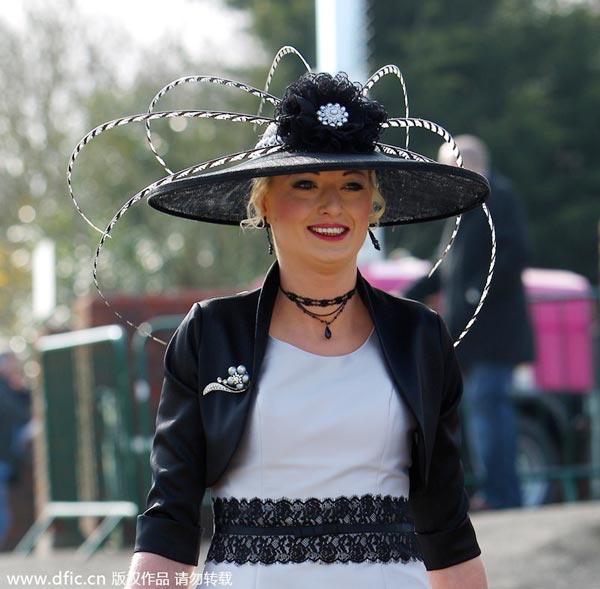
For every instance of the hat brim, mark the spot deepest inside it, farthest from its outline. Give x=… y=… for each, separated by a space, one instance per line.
x=414 y=191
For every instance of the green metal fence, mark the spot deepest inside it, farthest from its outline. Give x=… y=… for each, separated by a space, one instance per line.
x=88 y=423
x=88 y=417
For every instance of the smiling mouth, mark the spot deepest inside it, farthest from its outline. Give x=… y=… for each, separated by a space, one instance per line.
x=329 y=231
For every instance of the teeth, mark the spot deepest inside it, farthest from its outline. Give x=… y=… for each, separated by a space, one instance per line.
x=328 y=230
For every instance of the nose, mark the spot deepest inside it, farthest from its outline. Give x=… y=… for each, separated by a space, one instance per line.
x=331 y=202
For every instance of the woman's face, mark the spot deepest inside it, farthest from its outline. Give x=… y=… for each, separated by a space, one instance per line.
x=319 y=217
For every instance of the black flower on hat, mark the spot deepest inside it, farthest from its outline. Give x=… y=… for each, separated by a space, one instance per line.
x=325 y=113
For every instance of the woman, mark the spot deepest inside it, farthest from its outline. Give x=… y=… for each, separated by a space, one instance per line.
x=321 y=412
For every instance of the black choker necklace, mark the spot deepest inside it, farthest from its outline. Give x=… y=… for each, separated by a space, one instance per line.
x=303 y=302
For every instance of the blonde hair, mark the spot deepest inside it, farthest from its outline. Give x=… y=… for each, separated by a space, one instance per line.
x=260 y=188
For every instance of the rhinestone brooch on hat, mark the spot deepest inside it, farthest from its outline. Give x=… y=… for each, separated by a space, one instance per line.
x=332 y=114
x=237 y=381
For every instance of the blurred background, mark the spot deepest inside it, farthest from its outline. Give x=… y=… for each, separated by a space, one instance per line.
x=521 y=74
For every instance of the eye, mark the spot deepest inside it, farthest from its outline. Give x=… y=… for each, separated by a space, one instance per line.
x=354 y=186
x=303 y=184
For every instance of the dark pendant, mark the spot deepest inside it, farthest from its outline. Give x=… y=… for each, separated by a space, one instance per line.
x=327 y=332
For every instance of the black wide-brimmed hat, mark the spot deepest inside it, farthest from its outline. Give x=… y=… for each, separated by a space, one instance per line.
x=321 y=123
x=413 y=190
x=324 y=123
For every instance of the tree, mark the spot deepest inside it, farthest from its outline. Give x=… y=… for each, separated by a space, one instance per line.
x=63 y=81
x=525 y=78
x=522 y=74
x=282 y=23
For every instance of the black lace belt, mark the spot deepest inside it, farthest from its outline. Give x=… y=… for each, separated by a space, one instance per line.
x=363 y=528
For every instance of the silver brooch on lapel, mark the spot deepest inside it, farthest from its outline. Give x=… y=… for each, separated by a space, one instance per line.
x=237 y=381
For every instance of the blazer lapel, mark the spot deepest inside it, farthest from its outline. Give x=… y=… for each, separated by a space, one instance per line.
x=264 y=311
x=393 y=329
x=235 y=331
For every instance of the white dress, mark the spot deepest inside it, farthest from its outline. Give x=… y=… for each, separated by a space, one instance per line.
x=332 y=430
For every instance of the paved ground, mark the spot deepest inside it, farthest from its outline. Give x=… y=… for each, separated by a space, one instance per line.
x=555 y=547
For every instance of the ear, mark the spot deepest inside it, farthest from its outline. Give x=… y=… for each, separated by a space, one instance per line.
x=264 y=204
x=263 y=196
x=373 y=217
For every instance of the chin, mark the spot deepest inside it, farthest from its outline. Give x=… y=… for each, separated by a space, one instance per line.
x=340 y=258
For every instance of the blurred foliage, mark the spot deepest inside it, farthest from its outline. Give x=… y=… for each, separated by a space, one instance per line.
x=522 y=74
x=283 y=23
x=278 y=24
x=60 y=80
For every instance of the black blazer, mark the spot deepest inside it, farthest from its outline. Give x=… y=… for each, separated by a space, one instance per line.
x=196 y=434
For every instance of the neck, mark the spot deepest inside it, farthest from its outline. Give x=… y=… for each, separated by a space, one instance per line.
x=318 y=283
x=291 y=324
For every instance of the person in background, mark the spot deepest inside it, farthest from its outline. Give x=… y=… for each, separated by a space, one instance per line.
x=501 y=337
x=15 y=400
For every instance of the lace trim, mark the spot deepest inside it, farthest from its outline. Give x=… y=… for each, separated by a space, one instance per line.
x=311 y=512
x=325 y=548
x=343 y=548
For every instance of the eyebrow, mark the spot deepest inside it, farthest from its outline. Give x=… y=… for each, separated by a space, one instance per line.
x=346 y=173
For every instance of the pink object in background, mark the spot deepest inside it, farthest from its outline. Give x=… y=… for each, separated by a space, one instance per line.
x=561 y=307
x=562 y=311
x=395 y=275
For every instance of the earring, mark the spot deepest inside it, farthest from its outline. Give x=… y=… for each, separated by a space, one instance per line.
x=269 y=240
x=374 y=241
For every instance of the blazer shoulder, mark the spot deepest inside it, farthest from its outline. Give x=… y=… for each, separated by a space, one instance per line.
x=227 y=302
x=216 y=308
x=414 y=319
x=233 y=314
x=401 y=304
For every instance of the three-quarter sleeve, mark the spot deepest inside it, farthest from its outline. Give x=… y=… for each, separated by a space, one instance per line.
x=170 y=525
x=440 y=508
